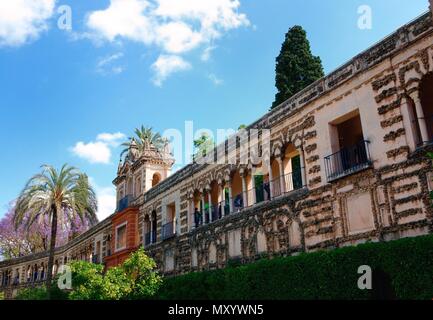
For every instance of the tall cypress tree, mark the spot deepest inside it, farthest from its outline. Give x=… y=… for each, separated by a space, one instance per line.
x=296 y=66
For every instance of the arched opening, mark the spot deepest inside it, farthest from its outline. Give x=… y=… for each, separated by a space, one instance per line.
x=147 y=233
x=168 y=229
x=237 y=194
x=276 y=178
x=426 y=98
x=156 y=178
x=197 y=210
x=154 y=224
x=215 y=201
x=292 y=168
x=413 y=119
x=262 y=183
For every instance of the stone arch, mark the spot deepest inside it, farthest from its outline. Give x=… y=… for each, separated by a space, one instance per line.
x=276 y=147
x=219 y=177
x=298 y=141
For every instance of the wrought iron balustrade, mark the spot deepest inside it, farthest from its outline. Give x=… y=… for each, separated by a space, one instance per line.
x=125 y=202
x=149 y=238
x=348 y=160
x=167 y=231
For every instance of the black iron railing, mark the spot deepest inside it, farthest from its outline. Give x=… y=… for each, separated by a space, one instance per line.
x=95 y=259
x=149 y=238
x=167 y=231
x=348 y=160
x=238 y=202
x=125 y=203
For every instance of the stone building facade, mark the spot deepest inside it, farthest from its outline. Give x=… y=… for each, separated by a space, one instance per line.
x=347 y=164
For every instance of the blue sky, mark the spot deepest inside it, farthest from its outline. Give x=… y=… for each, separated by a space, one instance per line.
x=71 y=95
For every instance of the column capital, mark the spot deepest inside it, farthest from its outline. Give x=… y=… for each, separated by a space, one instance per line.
x=415 y=96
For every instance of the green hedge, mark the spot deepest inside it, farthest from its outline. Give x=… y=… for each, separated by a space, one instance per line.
x=402 y=269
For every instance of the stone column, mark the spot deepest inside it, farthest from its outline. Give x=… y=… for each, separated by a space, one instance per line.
x=302 y=158
x=203 y=209
x=421 y=118
x=230 y=196
x=244 y=189
x=253 y=192
x=209 y=197
x=282 y=177
x=223 y=199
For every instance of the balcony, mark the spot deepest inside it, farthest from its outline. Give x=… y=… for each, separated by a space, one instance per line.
x=348 y=161
x=167 y=231
x=125 y=202
x=150 y=238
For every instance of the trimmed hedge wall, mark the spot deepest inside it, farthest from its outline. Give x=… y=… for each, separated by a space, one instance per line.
x=402 y=269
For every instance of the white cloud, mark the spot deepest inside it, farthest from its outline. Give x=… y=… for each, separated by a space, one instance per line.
x=106 y=199
x=99 y=151
x=178 y=37
x=215 y=80
x=172 y=26
x=166 y=65
x=176 y=26
x=106 y=65
x=111 y=138
x=23 y=20
x=123 y=18
x=94 y=152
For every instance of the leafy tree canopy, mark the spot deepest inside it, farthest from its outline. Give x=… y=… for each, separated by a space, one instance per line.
x=203 y=145
x=136 y=278
x=296 y=67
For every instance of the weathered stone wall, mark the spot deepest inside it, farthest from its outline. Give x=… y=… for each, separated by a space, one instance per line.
x=392 y=202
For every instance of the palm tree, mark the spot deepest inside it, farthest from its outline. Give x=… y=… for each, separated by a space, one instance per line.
x=144 y=138
x=59 y=195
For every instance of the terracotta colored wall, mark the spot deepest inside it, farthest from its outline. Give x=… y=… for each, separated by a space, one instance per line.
x=129 y=215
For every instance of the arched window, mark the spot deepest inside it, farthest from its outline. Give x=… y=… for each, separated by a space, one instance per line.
x=147 y=233
x=154 y=225
x=156 y=179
